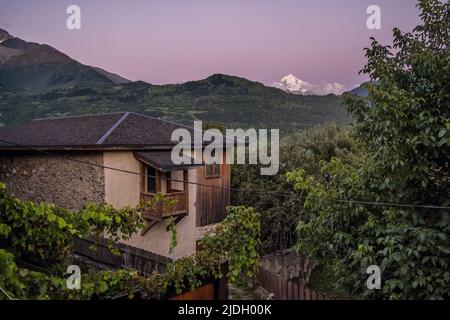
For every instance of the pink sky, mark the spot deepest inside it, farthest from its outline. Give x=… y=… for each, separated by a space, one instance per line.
x=175 y=41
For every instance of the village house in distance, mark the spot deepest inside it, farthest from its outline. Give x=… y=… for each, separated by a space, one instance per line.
x=121 y=159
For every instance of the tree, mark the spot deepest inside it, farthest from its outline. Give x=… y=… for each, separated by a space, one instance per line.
x=280 y=208
x=403 y=127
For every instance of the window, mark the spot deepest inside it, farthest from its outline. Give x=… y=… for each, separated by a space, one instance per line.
x=212 y=170
x=151 y=180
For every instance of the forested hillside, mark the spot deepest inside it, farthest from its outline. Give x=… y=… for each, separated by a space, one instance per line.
x=232 y=101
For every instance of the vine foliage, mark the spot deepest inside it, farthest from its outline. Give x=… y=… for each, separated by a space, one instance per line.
x=43 y=235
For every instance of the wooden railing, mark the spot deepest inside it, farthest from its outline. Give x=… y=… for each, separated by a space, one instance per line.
x=161 y=209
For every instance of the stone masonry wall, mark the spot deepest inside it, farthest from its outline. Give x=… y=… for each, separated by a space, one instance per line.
x=38 y=177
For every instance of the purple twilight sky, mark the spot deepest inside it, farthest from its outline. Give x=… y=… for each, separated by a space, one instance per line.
x=173 y=41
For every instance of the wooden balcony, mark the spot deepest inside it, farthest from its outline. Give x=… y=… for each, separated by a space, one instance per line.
x=160 y=209
x=156 y=211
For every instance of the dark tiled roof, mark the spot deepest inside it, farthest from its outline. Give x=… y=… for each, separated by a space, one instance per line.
x=104 y=131
x=137 y=129
x=163 y=161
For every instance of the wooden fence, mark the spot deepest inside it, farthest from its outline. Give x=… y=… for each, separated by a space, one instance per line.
x=284 y=289
x=145 y=262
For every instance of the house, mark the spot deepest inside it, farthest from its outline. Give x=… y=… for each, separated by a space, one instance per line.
x=120 y=159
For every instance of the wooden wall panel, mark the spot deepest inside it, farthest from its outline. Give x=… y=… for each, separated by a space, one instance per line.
x=212 y=201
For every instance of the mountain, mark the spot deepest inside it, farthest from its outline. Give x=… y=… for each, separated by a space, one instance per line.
x=32 y=68
x=292 y=84
x=38 y=81
x=220 y=99
x=115 y=78
x=4 y=35
x=360 y=91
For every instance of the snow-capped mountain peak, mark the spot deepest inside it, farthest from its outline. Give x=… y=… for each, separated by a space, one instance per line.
x=293 y=84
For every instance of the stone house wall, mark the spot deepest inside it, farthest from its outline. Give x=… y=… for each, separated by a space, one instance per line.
x=66 y=183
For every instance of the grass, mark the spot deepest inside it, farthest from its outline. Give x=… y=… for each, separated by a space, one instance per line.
x=240 y=290
x=323 y=279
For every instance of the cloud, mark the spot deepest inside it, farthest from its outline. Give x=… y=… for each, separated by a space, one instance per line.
x=334 y=88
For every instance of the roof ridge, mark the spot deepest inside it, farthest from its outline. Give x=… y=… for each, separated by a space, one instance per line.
x=162 y=120
x=110 y=130
x=81 y=116
x=118 y=112
x=174 y=123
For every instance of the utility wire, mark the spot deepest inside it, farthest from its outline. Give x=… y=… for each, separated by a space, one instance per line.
x=252 y=190
x=6 y=293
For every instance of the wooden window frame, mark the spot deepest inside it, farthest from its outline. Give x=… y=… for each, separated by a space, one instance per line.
x=214 y=167
x=145 y=179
